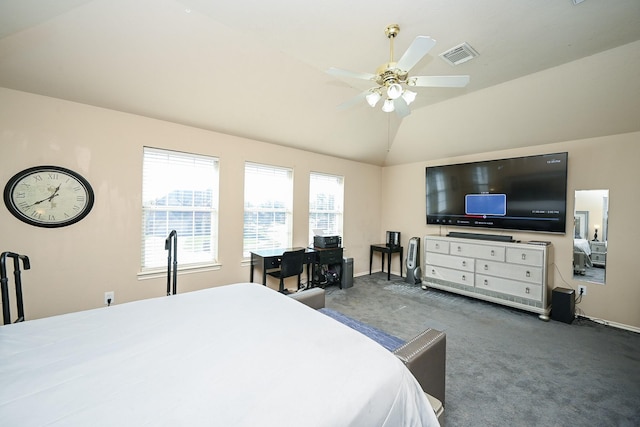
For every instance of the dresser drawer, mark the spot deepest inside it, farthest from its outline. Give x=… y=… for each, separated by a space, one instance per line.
x=525 y=256
x=510 y=287
x=440 y=246
x=448 y=274
x=598 y=247
x=272 y=262
x=449 y=261
x=598 y=258
x=523 y=273
x=495 y=253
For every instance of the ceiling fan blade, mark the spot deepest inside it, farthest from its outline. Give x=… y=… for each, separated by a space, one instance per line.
x=439 y=81
x=416 y=51
x=401 y=108
x=353 y=101
x=338 y=72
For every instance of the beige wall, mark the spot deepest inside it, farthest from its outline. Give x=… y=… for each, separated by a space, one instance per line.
x=73 y=266
x=598 y=163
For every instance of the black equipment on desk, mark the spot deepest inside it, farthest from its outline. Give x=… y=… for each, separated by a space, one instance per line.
x=327 y=241
x=393 y=239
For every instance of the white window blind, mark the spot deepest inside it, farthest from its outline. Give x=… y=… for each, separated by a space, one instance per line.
x=268 y=205
x=326 y=203
x=179 y=192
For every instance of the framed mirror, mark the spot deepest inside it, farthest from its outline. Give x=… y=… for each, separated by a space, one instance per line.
x=590 y=235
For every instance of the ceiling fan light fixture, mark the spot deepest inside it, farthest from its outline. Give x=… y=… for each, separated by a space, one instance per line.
x=373 y=98
x=394 y=91
x=409 y=96
x=388 y=106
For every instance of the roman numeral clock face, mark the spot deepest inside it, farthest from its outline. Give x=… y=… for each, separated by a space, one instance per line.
x=48 y=196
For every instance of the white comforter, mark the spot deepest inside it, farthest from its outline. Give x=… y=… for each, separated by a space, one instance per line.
x=237 y=355
x=583 y=245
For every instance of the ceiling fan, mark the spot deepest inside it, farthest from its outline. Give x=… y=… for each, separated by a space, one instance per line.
x=393 y=80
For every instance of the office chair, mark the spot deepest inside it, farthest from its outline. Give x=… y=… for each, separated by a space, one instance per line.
x=291 y=264
x=4 y=284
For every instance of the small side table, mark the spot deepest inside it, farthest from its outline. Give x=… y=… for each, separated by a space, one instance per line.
x=388 y=250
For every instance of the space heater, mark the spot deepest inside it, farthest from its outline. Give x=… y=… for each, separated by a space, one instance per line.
x=414 y=273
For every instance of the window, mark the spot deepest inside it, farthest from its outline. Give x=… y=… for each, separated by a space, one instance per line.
x=326 y=204
x=179 y=192
x=268 y=201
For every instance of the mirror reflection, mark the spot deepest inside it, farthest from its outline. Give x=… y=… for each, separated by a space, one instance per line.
x=591 y=220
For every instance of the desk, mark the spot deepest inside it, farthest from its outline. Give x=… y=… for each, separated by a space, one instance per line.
x=269 y=259
x=389 y=250
x=328 y=257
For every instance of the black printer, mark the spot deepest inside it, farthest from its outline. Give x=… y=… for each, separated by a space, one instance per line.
x=327 y=241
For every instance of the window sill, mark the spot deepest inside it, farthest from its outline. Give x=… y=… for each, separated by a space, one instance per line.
x=158 y=272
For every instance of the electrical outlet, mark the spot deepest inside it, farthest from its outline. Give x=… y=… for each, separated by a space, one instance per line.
x=582 y=290
x=109 y=298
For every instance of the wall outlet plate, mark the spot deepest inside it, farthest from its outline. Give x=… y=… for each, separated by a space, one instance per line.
x=582 y=290
x=109 y=298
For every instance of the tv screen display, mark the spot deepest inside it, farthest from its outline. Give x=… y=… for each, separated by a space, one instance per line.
x=522 y=193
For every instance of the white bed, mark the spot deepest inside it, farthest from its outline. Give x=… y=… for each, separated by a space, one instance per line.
x=582 y=245
x=581 y=256
x=237 y=355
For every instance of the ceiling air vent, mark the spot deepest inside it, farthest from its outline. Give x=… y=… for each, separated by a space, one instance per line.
x=459 y=54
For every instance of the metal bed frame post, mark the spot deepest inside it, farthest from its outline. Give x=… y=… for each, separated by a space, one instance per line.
x=4 y=284
x=172 y=243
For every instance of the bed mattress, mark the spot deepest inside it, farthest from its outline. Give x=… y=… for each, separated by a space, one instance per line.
x=235 y=355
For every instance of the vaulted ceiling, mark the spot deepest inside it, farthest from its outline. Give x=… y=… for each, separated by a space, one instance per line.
x=547 y=71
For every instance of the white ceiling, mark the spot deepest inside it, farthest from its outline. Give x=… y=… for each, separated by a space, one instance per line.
x=548 y=71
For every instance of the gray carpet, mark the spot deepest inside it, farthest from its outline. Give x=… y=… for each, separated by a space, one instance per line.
x=506 y=367
x=592 y=274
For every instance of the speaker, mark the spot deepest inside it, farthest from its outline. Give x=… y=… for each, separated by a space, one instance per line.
x=393 y=238
x=414 y=273
x=347 y=273
x=563 y=305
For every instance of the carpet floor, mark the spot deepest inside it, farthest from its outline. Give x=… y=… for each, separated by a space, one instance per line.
x=505 y=367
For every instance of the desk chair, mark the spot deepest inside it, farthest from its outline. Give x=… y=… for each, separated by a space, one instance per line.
x=4 y=284
x=291 y=264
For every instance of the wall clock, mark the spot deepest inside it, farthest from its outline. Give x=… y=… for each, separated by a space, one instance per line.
x=48 y=196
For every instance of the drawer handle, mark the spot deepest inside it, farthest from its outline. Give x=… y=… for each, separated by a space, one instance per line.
x=459 y=249
x=524 y=256
x=528 y=274
x=464 y=277
x=526 y=290
x=437 y=245
x=433 y=271
x=486 y=267
x=493 y=253
x=464 y=263
x=486 y=282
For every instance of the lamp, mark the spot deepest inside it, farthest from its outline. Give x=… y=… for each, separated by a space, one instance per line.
x=409 y=96
x=373 y=97
x=595 y=234
x=394 y=91
x=388 y=106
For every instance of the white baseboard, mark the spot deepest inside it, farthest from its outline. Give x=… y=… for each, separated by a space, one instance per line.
x=613 y=324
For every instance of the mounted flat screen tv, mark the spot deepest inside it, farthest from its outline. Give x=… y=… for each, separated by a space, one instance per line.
x=522 y=193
